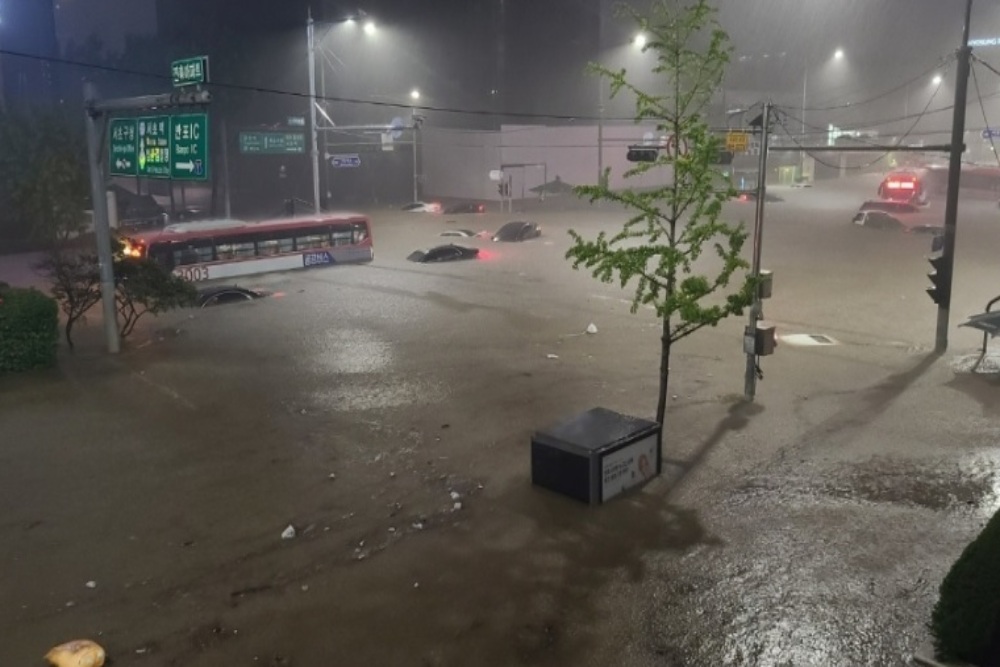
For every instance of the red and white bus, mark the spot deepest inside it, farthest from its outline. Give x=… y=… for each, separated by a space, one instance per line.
x=904 y=186
x=220 y=249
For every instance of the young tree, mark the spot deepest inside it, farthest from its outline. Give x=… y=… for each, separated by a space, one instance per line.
x=75 y=283
x=670 y=226
x=143 y=286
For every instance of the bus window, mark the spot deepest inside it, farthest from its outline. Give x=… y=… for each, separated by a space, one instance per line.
x=341 y=236
x=314 y=240
x=360 y=232
x=193 y=253
x=234 y=249
x=161 y=254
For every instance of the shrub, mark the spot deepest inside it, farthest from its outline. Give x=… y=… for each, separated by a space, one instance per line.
x=966 y=619
x=29 y=330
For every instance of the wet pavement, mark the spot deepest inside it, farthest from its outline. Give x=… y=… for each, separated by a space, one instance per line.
x=385 y=411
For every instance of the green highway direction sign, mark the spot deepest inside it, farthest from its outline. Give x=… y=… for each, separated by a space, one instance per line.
x=272 y=143
x=123 y=150
x=189 y=147
x=189 y=71
x=160 y=147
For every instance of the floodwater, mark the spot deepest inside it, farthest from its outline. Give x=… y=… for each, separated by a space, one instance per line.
x=386 y=411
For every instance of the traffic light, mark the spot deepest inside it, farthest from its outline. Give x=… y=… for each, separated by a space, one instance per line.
x=642 y=154
x=940 y=279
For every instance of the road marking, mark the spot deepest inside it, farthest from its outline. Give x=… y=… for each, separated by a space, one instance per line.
x=165 y=390
x=808 y=340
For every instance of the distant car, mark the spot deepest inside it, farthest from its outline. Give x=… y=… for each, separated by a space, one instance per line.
x=422 y=207
x=518 y=230
x=751 y=195
x=443 y=253
x=224 y=294
x=464 y=233
x=802 y=183
x=465 y=207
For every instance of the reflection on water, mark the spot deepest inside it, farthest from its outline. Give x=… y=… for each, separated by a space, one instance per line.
x=351 y=351
x=387 y=393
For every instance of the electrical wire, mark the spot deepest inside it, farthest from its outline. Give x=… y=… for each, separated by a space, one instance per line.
x=942 y=61
x=782 y=114
x=982 y=107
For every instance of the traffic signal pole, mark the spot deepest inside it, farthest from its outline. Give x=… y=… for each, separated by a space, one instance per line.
x=954 y=174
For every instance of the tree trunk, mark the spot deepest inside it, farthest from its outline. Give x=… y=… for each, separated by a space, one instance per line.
x=661 y=404
x=69 y=332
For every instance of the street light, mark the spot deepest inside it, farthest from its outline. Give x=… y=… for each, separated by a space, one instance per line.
x=638 y=41
x=838 y=54
x=414 y=94
x=369 y=29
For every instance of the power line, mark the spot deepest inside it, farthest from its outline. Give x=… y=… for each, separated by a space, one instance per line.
x=301 y=95
x=982 y=107
x=942 y=61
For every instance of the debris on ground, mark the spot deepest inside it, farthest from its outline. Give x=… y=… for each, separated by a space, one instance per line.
x=551 y=356
x=91 y=584
x=288 y=533
x=77 y=653
x=591 y=328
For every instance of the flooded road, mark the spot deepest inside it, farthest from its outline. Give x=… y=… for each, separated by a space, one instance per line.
x=385 y=412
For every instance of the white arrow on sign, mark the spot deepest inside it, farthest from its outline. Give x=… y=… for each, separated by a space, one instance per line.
x=186 y=166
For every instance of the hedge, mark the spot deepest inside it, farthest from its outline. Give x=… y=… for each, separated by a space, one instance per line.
x=966 y=619
x=29 y=330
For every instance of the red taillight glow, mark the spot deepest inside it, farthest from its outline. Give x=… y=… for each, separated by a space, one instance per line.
x=744 y=198
x=132 y=250
x=486 y=255
x=481 y=208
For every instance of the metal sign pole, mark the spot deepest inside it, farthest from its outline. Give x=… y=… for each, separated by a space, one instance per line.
x=102 y=230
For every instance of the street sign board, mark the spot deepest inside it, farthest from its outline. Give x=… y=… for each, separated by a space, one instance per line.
x=165 y=147
x=154 y=146
x=189 y=147
x=297 y=121
x=990 y=133
x=189 y=71
x=272 y=143
x=737 y=141
x=123 y=147
x=345 y=160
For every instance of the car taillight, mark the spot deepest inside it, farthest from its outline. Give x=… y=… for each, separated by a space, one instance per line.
x=481 y=208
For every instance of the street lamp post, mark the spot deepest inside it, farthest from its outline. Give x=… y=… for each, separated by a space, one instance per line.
x=369 y=29
x=837 y=55
x=415 y=122
x=313 y=131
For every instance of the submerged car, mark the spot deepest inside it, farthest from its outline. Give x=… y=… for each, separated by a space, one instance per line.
x=422 y=207
x=463 y=233
x=882 y=220
x=465 y=207
x=223 y=294
x=518 y=230
x=443 y=253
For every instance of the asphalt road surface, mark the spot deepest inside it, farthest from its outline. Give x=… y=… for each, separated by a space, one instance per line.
x=385 y=411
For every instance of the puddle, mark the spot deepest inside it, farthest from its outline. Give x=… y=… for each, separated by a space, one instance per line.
x=969 y=484
x=386 y=393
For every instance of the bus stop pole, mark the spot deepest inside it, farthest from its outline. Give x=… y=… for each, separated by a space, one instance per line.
x=102 y=231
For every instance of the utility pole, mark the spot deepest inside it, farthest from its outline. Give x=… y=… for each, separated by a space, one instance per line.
x=314 y=147
x=102 y=232
x=225 y=169
x=750 y=382
x=954 y=176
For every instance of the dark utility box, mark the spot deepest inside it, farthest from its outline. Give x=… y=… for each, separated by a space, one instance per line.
x=596 y=455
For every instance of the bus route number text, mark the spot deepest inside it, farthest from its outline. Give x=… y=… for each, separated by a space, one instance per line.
x=192 y=273
x=316 y=259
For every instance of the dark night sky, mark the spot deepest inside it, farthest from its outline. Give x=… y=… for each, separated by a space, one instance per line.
x=534 y=51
